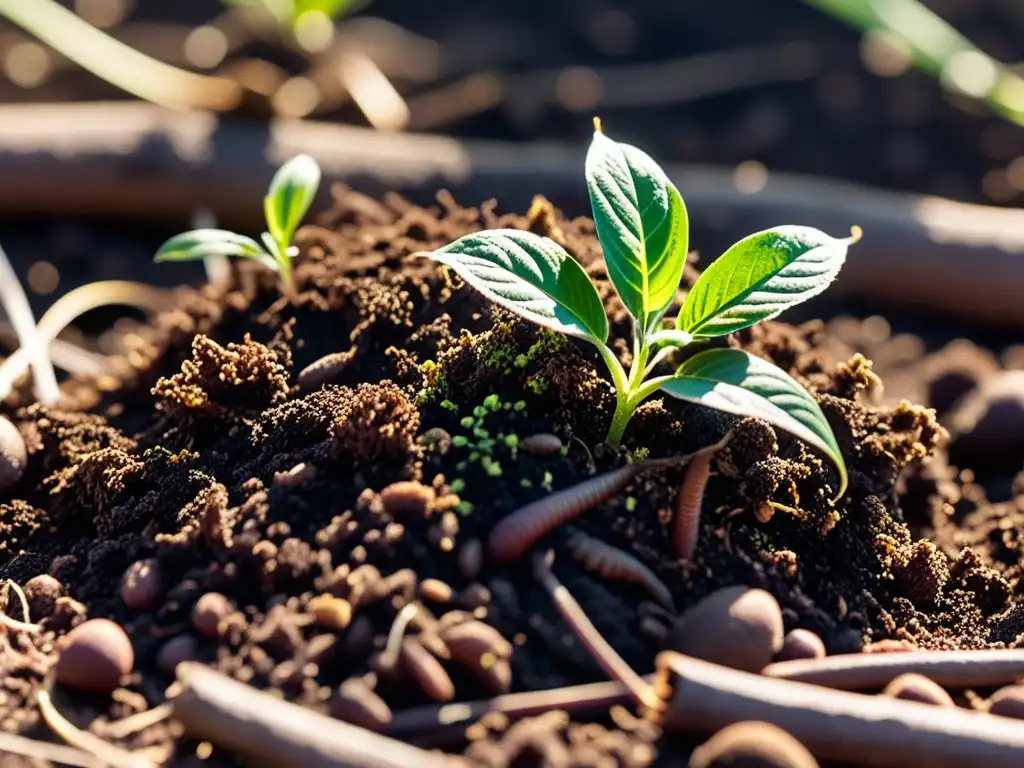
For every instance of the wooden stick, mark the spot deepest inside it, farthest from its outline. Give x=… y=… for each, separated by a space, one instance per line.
x=838 y=726
x=240 y=718
x=137 y=161
x=868 y=671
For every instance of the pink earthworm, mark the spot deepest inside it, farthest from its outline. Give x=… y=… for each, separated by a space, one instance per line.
x=691 y=497
x=609 y=562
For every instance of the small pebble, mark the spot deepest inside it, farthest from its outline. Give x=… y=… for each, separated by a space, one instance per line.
x=801 y=644
x=356 y=703
x=736 y=627
x=469 y=640
x=323 y=371
x=476 y=595
x=471 y=558
x=1008 y=702
x=94 y=657
x=435 y=590
x=407 y=498
x=914 y=687
x=543 y=444
x=331 y=612
x=175 y=651
x=42 y=593
x=142 y=585
x=752 y=744
x=426 y=670
x=208 y=611
x=13 y=455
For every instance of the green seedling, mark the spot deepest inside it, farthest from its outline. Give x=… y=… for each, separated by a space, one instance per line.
x=643 y=228
x=287 y=201
x=303 y=20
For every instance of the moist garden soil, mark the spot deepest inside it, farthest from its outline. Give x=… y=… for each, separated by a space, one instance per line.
x=203 y=452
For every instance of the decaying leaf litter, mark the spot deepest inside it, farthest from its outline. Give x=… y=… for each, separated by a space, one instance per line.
x=238 y=487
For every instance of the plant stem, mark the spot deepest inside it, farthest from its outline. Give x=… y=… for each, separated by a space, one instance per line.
x=621 y=384
x=117 y=63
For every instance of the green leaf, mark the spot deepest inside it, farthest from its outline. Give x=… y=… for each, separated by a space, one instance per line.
x=736 y=382
x=642 y=225
x=760 y=276
x=200 y=243
x=531 y=275
x=289 y=197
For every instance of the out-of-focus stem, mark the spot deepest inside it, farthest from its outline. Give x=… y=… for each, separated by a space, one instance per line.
x=117 y=63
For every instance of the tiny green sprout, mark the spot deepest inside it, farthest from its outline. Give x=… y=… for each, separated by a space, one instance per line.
x=631 y=503
x=464 y=508
x=519 y=406
x=458 y=485
x=643 y=228
x=480 y=412
x=512 y=441
x=467 y=422
x=460 y=441
x=492 y=402
x=287 y=201
x=448 y=405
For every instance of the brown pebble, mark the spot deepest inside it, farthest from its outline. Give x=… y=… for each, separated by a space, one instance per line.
x=801 y=644
x=471 y=558
x=407 y=498
x=13 y=455
x=914 y=687
x=323 y=371
x=542 y=444
x=736 y=627
x=356 y=703
x=476 y=595
x=94 y=657
x=175 y=651
x=142 y=585
x=42 y=593
x=426 y=670
x=331 y=612
x=469 y=640
x=1008 y=702
x=752 y=744
x=298 y=475
x=208 y=611
x=435 y=590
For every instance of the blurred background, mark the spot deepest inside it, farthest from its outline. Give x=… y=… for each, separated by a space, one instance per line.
x=901 y=95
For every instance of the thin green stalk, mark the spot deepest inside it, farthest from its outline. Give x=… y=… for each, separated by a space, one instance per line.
x=117 y=63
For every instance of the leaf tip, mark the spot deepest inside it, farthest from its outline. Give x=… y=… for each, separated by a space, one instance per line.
x=856 y=233
x=597 y=125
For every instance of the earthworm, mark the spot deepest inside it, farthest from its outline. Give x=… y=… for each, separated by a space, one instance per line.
x=239 y=718
x=606 y=656
x=609 y=562
x=836 y=726
x=691 y=497
x=519 y=531
x=864 y=671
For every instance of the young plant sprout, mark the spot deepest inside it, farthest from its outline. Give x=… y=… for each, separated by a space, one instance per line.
x=643 y=228
x=287 y=201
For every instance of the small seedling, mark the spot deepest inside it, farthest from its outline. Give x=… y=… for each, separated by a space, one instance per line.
x=643 y=228
x=287 y=201
x=304 y=20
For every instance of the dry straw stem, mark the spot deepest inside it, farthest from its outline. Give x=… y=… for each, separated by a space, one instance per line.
x=869 y=671
x=269 y=731
x=107 y=754
x=574 y=698
x=43 y=751
x=614 y=665
x=838 y=726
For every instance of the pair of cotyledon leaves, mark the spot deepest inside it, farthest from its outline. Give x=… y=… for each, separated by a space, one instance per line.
x=287 y=201
x=642 y=225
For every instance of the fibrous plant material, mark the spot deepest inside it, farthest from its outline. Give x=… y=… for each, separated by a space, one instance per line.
x=106 y=754
x=643 y=228
x=249 y=722
x=285 y=205
x=866 y=671
x=70 y=306
x=15 y=304
x=847 y=728
x=117 y=63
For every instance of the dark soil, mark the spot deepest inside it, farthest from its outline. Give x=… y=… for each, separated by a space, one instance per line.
x=206 y=457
